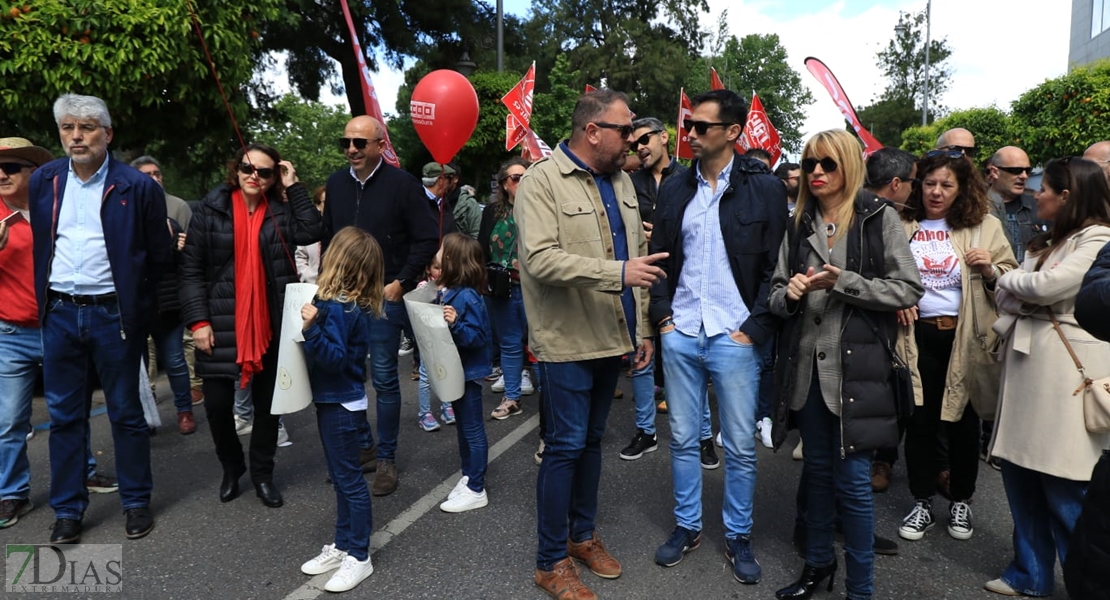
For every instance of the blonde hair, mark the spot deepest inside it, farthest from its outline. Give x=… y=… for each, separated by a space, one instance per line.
x=353 y=269
x=844 y=148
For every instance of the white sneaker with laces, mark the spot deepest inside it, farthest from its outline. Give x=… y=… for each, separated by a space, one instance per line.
x=764 y=428
x=458 y=487
x=526 y=387
x=466 y=499
x=329 y=558
x=243 y=426
x=719 y=441
x=919 y=521
x=351 y=573
x=283 y=440
x=959 y=522
x=498 y=386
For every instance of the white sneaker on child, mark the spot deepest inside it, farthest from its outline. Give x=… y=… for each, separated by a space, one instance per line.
x=351 y=573
x=466 y=499
x=498 y=386
x=329 y=558
x=458 y=487
x=526 y=387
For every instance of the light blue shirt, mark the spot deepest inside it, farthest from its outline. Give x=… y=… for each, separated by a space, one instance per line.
x=707 y=295
x=80 y=265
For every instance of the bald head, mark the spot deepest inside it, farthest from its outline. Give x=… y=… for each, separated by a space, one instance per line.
x=363 y=142
x=957 y=136
x=1099 y=152
x=1009 y=170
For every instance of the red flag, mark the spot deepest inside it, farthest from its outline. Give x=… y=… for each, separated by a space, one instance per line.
x=590 y=88
x=685 y=111
x=519 y=102
x=715 y=80
x=369 y=96
x=827 y=79
x=759 y=133
x=534 y=148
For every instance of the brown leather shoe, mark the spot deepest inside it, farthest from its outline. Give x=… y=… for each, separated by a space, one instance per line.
x=562 y=582
x=368 y=459
x=185 y=423
x=593 y=554
x=198 y=396
x=385 y=481
x=880 y=476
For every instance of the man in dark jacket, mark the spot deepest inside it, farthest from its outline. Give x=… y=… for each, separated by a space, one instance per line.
x=100 y=241
x=391 y=205
x=721 y=222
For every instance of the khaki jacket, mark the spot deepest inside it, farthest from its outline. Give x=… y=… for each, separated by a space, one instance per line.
x=973 y=373
x=569 y=275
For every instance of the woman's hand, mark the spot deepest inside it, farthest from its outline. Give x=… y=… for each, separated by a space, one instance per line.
x=180 y=241
x=308 y=314
x=449 y=314
x=288 y=173
x=204 y=339
x=907 y=316
x=798 y=285
x=980 y=258
x=826 y=279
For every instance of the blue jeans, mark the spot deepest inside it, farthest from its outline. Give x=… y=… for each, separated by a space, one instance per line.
x=834 y=481
x=511 y=325
x=385 y=339
x=643 y=393
x=473 y=443
x=575 y=406
x=424 y=392
x=244 y=403
x=169 y=347
x=20 y=357
x=692 y=361
x=339 y=434
x=72 y=336
x=1044 y=509
x=766 y=379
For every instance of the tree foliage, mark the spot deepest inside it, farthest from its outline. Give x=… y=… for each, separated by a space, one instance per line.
x=305 y=133
x=553 y=109
x=887 y=118
x=902 y=62
x=1062 y=116
x=992 y=128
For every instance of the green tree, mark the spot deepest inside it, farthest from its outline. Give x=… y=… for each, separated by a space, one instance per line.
x=887 y=118
x=552 y=109
x=305 y=133
x=992 y=128
x=1062 y=116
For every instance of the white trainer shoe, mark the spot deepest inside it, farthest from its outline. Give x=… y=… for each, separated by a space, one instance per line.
x=466 y=499
x=526 y=387
x=351 y=573
x=458 y=487
x=329 y=558
x=498 y=386
x=764 y=428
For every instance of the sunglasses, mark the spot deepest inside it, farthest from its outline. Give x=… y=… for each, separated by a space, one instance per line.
x=1016 y=170
x=359 y=143
x=828 y=165
x=945 y=152
x=623 y=130
x=702 y=127
x=967 y=150
x=515 y=178
x=11 y=168
x=249 y=169
x=643 y=139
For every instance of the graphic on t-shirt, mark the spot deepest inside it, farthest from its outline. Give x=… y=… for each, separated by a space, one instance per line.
x=936 y=259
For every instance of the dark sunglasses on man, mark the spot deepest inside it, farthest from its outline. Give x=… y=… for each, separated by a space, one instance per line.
x=828 y=165
x=1015 y=170
x=702 y=127
x=946 y=151
x=249 y=169
x=11 y=168
x=359 y=143
x=622 y=130
x=963 y=150
x=643 y=139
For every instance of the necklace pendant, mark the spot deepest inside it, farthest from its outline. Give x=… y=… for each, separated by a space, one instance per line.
x=830 y=229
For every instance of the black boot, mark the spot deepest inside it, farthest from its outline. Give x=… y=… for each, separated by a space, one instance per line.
x=229 y=487
x=811 y=578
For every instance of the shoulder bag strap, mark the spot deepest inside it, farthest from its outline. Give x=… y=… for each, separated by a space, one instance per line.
x=1078 y=365
x=980 y=335
x=886 y=342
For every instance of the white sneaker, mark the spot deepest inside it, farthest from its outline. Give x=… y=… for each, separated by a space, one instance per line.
x=717 y=440
x=959 y=523
x=797 y=454
x=329 y=558
x=466 y=499
x=351 y=573
x=406 y=346
x=526 y=387
x=764 y=429
x=243 y=426
x=458 y=487
x=498 y=386
x=283 y=436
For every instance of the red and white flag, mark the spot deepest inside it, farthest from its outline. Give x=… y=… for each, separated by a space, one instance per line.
x=369 y=96
x=519 y=102
x=827 y=79
x=685 y=111
x=759 y=133
x=534 y=148
x=715 y=80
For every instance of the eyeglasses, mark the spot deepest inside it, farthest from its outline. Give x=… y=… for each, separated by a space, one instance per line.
x=1015 y=170
x=945 y=152
x=84 y=127
x=623 y=130
x=828 y=165
x=359 y=143
x=249 y=169
x=965 y=150
x=11 y=168
x=155 y=174
x=702 y=127
x=643 y=139
x=515 y=177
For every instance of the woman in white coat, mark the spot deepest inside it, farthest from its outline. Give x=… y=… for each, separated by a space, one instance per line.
x=1047 y=453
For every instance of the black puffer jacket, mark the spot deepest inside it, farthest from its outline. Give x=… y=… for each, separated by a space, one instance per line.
x=1085 y=571
x=207 y=270
x=169 y=302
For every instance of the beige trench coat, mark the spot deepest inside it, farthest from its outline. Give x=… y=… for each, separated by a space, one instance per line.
x=973 y=374
x=1040 y=423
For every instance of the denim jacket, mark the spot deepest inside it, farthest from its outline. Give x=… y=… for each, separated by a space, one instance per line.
x=471 y=330
x=335 y=347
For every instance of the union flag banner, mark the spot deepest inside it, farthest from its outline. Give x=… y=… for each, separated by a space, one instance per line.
x=827 y=79
x=590 y=88
x=759 y=133
x=715 y=80
x=682 y=143
x=519 y=102
x=534 y=148
x=369 y=96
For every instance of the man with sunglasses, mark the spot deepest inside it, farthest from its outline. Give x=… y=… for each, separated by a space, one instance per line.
x=100 y=245
x=583 y=265
x=391 y=205
x=959 y=140
x=721 y=222
x=1008 y=170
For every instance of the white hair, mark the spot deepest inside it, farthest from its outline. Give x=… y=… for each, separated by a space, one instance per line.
x=81 y=107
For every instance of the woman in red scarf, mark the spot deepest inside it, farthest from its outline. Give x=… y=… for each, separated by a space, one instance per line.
x=237 y=260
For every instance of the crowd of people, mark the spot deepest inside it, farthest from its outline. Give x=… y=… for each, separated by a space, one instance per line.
x=867 y=302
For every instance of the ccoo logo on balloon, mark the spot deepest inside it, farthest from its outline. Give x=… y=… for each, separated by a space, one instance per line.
x=423 y=113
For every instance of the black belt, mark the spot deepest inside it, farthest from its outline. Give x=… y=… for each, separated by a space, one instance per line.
x=101 y=299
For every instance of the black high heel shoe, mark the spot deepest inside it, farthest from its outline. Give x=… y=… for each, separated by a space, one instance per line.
x=809 y=581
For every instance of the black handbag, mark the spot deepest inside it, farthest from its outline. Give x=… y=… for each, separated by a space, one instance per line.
x=901 y=380
x=498 y=281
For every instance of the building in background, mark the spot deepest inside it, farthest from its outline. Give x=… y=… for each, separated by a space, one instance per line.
x=1090 y=32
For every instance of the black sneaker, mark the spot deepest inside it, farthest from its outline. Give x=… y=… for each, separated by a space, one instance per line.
x=682 y=540
x=641 y=443
x=709 y=458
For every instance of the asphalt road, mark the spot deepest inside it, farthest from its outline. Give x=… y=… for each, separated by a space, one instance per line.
x=201 y=548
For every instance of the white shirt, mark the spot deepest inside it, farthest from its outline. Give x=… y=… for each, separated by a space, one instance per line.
x=939 y=266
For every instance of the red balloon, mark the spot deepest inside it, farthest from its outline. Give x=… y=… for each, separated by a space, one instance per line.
x=444 y=111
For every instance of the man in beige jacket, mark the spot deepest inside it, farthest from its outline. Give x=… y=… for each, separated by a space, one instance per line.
x=583 y=270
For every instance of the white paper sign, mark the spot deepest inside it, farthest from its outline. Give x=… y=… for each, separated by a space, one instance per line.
x=437 y=348
x=292 y=391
